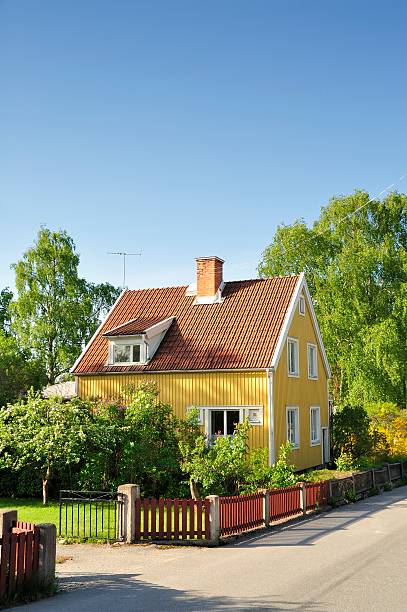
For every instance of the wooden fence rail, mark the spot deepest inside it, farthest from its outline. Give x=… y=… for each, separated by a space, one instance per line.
x=172 y=519
x=316 y=494
x=240 y=513
x=19 y=557
x=285 y=502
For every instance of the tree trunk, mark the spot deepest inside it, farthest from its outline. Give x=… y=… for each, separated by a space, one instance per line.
x=193 y=487
x=45 y=491
x=45 y=486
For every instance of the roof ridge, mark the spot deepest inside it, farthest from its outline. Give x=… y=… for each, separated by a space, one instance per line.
x=242 y=280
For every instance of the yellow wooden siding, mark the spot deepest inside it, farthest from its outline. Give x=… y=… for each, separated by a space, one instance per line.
x=192 y=389
x=301 y=392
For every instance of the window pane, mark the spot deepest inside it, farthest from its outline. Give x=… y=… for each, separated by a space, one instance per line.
x=315 y=426
x=312 y=361
x=136 y=352
x=121 y=353
x=292 y=357
x=217 y=422
x=232 y=418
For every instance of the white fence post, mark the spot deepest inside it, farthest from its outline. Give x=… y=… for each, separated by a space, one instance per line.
x=214 y=519
x=47 y=554
x=303 y=498
x=127 y=511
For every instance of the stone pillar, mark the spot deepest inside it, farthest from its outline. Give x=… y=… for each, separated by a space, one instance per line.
x=266 y=506
x=127 y=512
x=373 y=478
x=7 y=518
x=330 y=491
x=47 y=553
x=353 y=484
x=303 y=500
x=389 y=473
x=214 y=519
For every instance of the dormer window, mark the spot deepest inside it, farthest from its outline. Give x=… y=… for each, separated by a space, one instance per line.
x=127 y=351
x=136 y=341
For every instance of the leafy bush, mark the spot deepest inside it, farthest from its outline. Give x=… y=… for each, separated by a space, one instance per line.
x=346 y=463
x=227 y=467
x=390 y=422
x=282 y=473
x=351 y=432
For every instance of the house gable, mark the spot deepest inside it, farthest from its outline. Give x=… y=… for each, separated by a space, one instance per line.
x=301 y=290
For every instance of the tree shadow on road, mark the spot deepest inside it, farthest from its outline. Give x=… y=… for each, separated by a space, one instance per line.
x=127 y=592
x=306 y=531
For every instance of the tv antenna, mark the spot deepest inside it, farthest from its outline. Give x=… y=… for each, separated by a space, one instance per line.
x=124 y=254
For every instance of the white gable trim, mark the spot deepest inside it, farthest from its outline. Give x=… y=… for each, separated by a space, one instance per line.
x=301 y=286
x=75 y=365
x=158 y=328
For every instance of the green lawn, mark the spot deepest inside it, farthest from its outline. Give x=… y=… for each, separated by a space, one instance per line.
x=32 y=510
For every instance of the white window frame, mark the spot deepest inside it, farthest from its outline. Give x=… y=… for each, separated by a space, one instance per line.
x=253 y=413
x=309 y=352
x=296 y=411
x=128 y=341
x=317 y=441
x=301 y=305
x=294 y=341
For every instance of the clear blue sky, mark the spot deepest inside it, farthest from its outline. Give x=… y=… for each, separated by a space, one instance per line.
x=192 y=127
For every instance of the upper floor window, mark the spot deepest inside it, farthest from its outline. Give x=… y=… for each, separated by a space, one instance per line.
x=315 y=425
x=293 y=427
x=301 y=305
x=126 y=352
x=292 y=357
x=312 y=361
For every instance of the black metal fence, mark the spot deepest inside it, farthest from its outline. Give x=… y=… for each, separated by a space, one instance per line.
x=91 y=515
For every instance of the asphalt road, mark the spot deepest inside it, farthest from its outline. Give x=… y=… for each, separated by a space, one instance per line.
x=352 y=558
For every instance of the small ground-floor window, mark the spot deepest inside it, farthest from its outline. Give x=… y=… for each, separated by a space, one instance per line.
x=223 y=422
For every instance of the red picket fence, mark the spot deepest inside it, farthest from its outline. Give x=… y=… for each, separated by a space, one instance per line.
x=19 y=557
x=240 y=513
x=172 y=519
x=316 y=494
x=284 y=502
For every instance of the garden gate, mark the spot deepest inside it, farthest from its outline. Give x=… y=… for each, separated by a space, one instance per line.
x=91 y=515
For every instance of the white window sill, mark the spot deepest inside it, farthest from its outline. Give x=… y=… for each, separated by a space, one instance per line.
x=318 y=443
x=293 y=375
x=312 y=377
x=127 y=363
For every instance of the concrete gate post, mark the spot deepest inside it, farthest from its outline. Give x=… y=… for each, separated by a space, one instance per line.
x=47 y=553
x=214 y=519
x=127 y=511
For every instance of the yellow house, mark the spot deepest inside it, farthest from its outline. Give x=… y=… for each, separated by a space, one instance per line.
x=232 y=349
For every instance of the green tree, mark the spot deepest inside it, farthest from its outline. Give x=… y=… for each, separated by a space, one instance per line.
x=6 y=297
x=18 y=371
x=355 y=260
x=44 y=435
x=56 y=311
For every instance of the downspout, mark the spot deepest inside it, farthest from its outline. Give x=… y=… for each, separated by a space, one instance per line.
x=270 y=402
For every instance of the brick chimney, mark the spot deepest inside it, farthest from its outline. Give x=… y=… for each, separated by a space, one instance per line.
x=209 y=279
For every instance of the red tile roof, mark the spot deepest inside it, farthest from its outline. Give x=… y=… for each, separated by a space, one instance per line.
x=241 y=332
x=136 y=326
